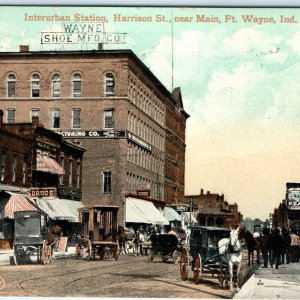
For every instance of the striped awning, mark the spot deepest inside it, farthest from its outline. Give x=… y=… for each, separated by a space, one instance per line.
x=60 y=209
x=17 y=202
x=46 y=164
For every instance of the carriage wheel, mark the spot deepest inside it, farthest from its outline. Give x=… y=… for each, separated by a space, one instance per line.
x=116 y=252
x=46 y=253
x=150 y=256
x=2 y=283
x=176 y=257
x=183 y=265
x=197 y=268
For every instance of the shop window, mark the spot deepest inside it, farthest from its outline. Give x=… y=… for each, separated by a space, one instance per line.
x=76 y=85
x=35 y=86
x=109 y=84
x=70 y=171
x=106 y=182
x=76 y=118
x=55 y=86
x=11 y=86
x=11 y=115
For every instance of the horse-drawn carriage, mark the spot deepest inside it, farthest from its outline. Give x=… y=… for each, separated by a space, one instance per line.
x=164 y=245
x=202 y=252
x=31 y=238
x=99 y=232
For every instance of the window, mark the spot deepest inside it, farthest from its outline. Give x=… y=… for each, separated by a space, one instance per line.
x=35 y=86
x=25 y=168
x=108 y=119
x=35 y=112
x=11 y=86
x=78 y=174
x=109 y=84
x=11 y=115
x=55 y=86
x=55 y=118
x=76 y=118
x=70 y=171
x=2 y=165
x=62 y=163
x=14 y=167
x=77 y=85
x=106 y=182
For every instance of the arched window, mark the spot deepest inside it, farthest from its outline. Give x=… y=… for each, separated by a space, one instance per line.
x=109 y=84
x=11 y=86
x=35 y=86
x=76 y=83
x=55 y=86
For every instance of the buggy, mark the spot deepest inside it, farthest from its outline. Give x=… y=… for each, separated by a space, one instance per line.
x=164 y=245
x=202 y=252
x=31 y=237
x=99 y=232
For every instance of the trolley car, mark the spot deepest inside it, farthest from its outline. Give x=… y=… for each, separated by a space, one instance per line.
x=202 y=252
x=99 y=231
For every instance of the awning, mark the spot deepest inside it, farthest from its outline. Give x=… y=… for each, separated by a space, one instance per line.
x=60 y=209
x=47 y=164
x=17 y=202
x=143 y=211
x=187 y=216
x=171 y=214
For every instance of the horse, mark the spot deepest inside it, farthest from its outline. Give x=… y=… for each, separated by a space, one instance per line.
x=230 y=251
x=252 y=242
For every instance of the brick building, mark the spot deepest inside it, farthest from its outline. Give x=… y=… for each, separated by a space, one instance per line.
x=110 y=103
x=31 y=177
x=213 y=210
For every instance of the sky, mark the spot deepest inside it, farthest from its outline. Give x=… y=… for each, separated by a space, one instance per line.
x=239 y=82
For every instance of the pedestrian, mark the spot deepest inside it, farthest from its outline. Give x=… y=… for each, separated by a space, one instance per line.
x=295 y=244
x=172 y=231
x=285 y=256
x=265 y=246
x=277 y=246
x=121 y=239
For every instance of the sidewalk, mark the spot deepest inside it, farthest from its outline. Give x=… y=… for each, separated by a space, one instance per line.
x=6 y=256
x=270 y=283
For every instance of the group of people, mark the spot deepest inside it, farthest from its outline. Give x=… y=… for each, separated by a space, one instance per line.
x=279 y=247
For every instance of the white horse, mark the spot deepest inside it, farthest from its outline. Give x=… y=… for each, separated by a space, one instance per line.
x=230 y=250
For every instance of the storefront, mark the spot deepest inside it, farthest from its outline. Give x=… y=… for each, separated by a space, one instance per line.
x=142 y=212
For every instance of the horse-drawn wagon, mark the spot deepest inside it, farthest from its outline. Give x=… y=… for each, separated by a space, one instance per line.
x=202 y=252
x=31 y=237
x=99 y=232
x=164 y=245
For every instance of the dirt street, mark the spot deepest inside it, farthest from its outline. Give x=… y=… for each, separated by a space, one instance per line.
x=128 y=277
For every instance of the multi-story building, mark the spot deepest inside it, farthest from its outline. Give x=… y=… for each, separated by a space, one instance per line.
x=110 y=103
x=31 y=177
x=213 y=210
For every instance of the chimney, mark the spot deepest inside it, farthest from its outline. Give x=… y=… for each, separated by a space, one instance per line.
x=208 y=192
x=201 y=191
x=24 y=48
x=100 y=46
x=1 y=117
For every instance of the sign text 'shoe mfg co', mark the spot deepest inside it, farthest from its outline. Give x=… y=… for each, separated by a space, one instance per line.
x=74 y=33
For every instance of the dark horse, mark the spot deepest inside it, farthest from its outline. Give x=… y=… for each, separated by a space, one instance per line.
x=252 y=242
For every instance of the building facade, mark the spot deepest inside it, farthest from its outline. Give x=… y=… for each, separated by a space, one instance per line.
x=111 y=104
x=213 y=210
x=32 y=178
